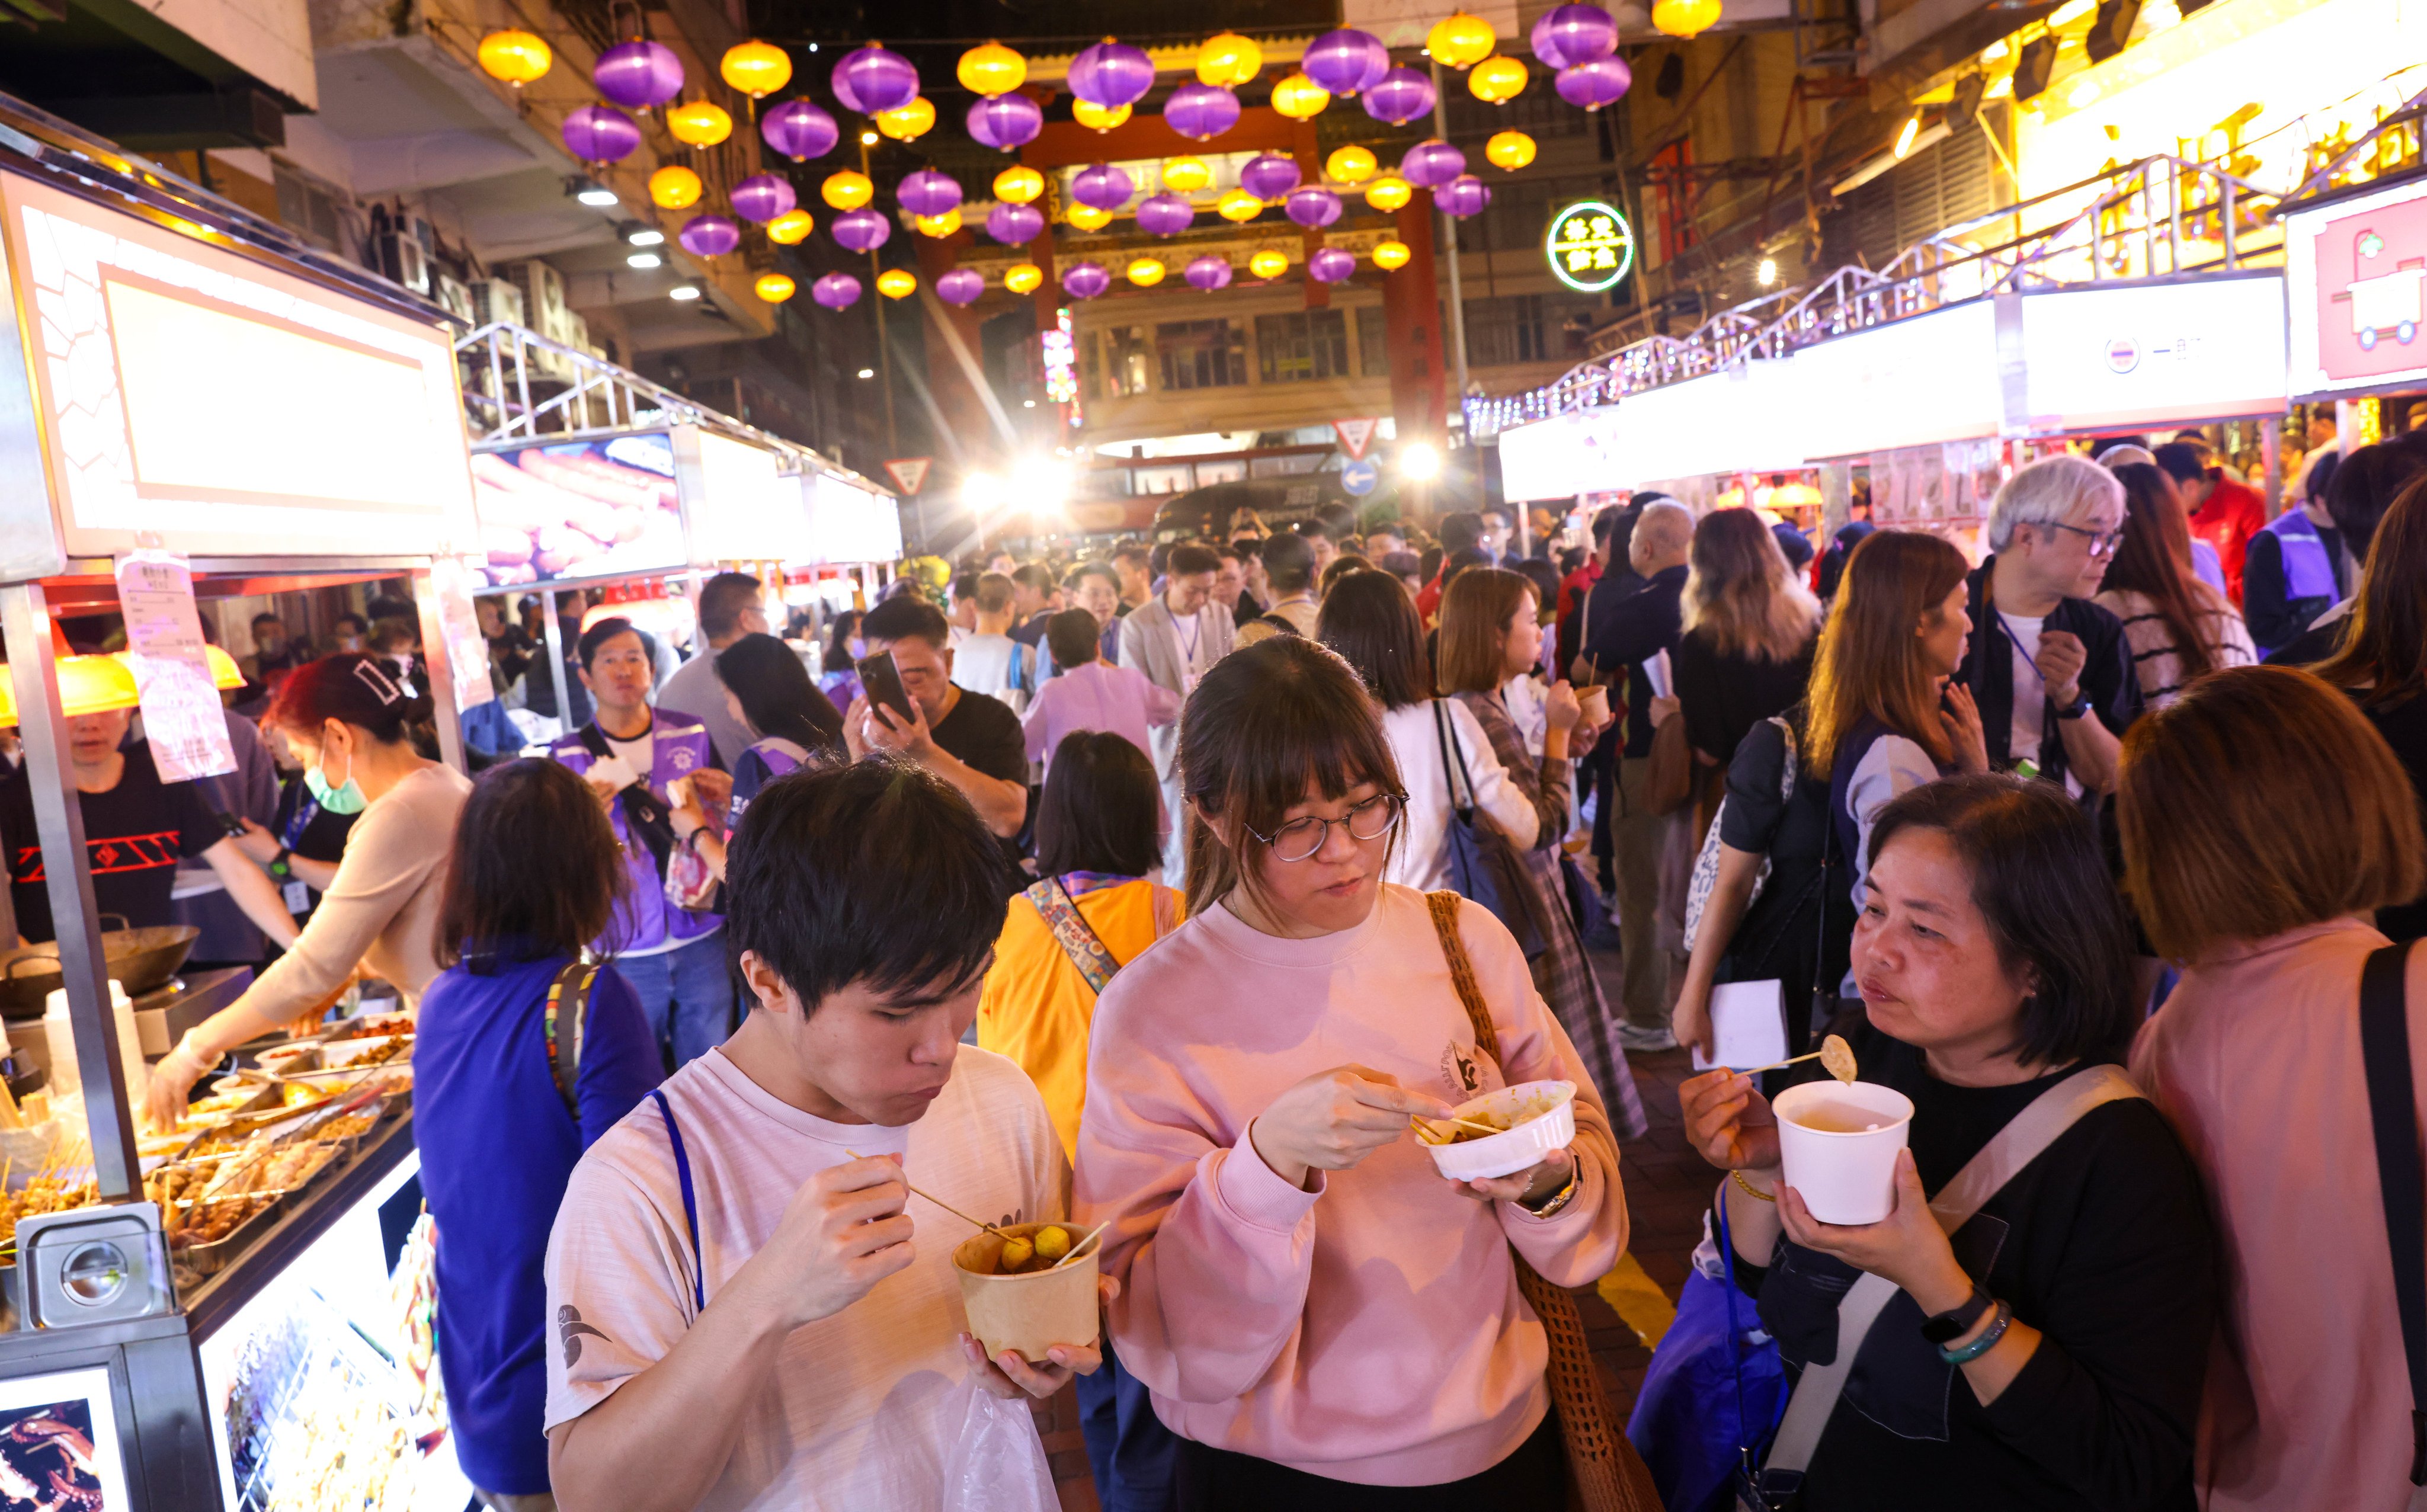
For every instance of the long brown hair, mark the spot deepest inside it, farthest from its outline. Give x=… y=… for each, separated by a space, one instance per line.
x=2155 y=562
x=2385 y=644
x=1869 y=661
x=1742 y=595
x=1475 y=609
x=1267 y=722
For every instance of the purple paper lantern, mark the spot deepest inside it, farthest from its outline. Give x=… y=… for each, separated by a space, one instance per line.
x=872 y=80
x=1102 y=186
x=836 y=291
x=862 y=231
x=1590 y=86
x=1346 y=60
x=1462 y=196
x=1331 y=265
x=762 y=197
x=1268 y=176
x=962 y=285
x=638 y=75
x=1201 y=112
x=1402 y=95
x=1164 y=215
x=1573 y=34
x=800 y=129
x=1015 y=225
x=1084 y=280
x=928 y=192
x=709 y=236
x=1431 y=163
x=1312 y=208
x=1209 y=273
x=600 y=134
x=1111 y=74
x=1003 y=121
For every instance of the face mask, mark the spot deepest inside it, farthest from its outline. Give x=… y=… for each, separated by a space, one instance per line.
x=346 y=797
x=857 y=647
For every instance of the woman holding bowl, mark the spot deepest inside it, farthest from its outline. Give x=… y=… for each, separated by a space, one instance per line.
x=2049 y=1353
x=1323 y=1318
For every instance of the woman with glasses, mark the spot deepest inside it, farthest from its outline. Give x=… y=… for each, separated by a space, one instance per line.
x=2178 y=627
x=1323 y=1318
x=2050 y=670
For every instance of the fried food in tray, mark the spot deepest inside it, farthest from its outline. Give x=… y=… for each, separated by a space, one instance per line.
x=43 y=1193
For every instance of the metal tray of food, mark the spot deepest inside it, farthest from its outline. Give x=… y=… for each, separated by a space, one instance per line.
x=211 y=1257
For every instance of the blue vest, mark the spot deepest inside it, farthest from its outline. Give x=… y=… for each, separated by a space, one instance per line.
x=759 y=765
x=2308 y=568
x=644 y=918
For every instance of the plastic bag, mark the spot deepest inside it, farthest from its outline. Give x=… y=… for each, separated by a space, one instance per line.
x=997 y=1464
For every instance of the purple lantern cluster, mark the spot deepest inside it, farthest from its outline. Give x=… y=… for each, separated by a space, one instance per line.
x=1015 y=225
x=1164 y=215
x=709 y=236
x=1111 y=74
x=928 y=192
x=1400 y=97
x=1312 y=208
x=1209 y=273
x=1431 y=163
x=638 y=75
x=762 y=197
x=1463 y=196
x=1201 y=112
x=872 y=80
x=1268 y=176
x=1004 y=121
x=862 y=230
x=1346 y=60
x=1102 y=186
x=1572 y=34
x=1594 y=84
x=1084 y=280
x=962 y=285
x=1331 y=265
x=836 y=291
x=800 y=129
x=600 y=134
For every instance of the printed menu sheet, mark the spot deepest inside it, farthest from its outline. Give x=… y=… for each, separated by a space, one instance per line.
x=182 y=717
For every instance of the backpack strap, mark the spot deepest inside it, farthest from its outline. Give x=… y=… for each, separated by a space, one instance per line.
x=1072 y=931
x=2393 y=1107
x=690 y=1204
x=566 y=1025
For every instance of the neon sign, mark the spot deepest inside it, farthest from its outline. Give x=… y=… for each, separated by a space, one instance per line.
x=1589 y=246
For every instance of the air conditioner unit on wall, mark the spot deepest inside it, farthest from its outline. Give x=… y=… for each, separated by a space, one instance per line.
x=543 y=292
x=403 y=259
x=457 y=299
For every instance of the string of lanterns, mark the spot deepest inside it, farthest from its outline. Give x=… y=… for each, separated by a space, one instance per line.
x=1577 y=40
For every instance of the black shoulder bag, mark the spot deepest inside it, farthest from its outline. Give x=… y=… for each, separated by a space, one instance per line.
x=2393 y=1111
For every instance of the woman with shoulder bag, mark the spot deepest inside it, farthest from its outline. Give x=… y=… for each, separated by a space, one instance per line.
x=526 y=1054
x=2028 y=1328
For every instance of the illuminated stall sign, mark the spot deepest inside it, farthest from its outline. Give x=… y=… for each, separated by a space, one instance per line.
x=2355 y=280
x=741 y=506
x=1589 y=246
x=1062 y=364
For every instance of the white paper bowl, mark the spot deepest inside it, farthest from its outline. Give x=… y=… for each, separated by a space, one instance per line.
x=1550 y=1112
x=1847 y=1175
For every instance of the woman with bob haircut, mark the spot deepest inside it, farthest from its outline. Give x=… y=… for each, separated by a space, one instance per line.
x=2047 y=1353
x=2179 y=628
x=2256 y=1057
x=521 y=1047
x=1323 y=1318
x=790 y=723
x=1491 y=633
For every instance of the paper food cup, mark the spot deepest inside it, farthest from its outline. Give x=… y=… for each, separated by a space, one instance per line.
x=1595 y=700
x=1541 y=1116
x=1030 y=1313
x=1838 y=1143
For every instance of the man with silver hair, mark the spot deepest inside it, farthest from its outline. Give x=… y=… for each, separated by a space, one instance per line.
x=2051 y=671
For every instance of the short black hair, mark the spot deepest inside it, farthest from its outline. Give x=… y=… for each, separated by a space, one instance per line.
x=266 y=618
x=1102 y=809
x=1309 y=528
x=2042 y=882
x=776 y=694
x=1370 y=620
x=907 y=619
x=1460 y=530
x=1074 y=638
x=1034 y=576
x=1094 y=569
x=1289 y=563
x=965 y=586
x=586 y=649
x=722 y=598
x=362 y=625
x=1133 y=551
x=877 y=873
x=494 y=895
x=1604 y=522
x=1402 y=564
x=1339 y=521
x=1158 y=562
x=2181 y=460
x=1461 y=559
x=1188 y=560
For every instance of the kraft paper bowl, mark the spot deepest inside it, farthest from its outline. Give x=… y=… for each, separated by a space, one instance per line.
x=1030 y=1313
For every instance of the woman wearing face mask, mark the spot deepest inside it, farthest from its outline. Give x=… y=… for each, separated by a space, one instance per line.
x=347 y=717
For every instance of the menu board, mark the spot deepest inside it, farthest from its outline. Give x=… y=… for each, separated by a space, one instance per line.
x=1909 y=383
x=184 y=722
x=849 y=524
x=2152 y=355
x=579 y=510
x=2355 y=284
x=741 y=506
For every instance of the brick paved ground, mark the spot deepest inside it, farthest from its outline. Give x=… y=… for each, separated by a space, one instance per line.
x=1667 y=1188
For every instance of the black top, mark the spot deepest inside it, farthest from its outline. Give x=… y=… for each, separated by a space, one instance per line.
x=984 y=733
x=2106 y=676
x=1783 y=935
x=1637 y=627
x=134 y=835
x=2403 y=725
x=311 y=832
x=2103 y=1243
x=1722 y=695
x=2274 y=619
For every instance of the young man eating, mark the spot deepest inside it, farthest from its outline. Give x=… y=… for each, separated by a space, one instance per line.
x=742 y=1317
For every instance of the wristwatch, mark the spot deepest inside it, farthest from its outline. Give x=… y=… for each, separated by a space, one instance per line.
x=1944 y=1328
x=2075 y=709
x=1552 y=1205
x=278 y=867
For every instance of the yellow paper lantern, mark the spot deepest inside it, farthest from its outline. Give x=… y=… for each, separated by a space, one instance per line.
x=755 y=69
x=1019 y=185
x=1350 y=164
x=1684 y=18
x=907 y=123
x=790 y=229
x=1391 y=255
x=1497 y=80
x=1389 y=192
x=897 y=283
x=1146 y=272
x=1186 y=175
x=1024 y=278
x=1086 y=216
x=1300 y=98
x=1512 y=150
x=674 y=187
x=1239 y=206
x=773 y=287
x=847 y=190
x=516 y=57
x=990 y=68
x=1461 y=40
x=699 y=123
x=1229 y=59
x=938 y=226
x=1095 y=117
x=1269 y=263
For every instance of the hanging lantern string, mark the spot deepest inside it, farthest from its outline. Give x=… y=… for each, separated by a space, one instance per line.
x=1046 y=40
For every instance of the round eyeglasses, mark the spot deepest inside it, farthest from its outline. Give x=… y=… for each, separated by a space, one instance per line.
x=2102 y=542
x=1301 y=838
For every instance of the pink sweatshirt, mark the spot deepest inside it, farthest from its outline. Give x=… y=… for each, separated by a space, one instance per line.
x=1370 y=1330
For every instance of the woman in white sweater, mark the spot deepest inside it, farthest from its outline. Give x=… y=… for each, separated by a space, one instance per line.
x=2178 y=627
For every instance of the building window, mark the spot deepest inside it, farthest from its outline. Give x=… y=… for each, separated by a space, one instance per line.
x=1201 y=353
x=1373 y=342
x=307 y=209
x=1301 y=347
x=1127 y=364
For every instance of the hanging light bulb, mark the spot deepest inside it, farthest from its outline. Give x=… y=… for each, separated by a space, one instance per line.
x=1095 y=117
x=1269 y=263
x=1391 y=257
x=700 y=123
x=1460 y=39
x=1350 y=164
x=773 y=287
x=847 y=190
x=1186 y=175
x=674 y=187
x=1497 y=80
x=755 y=69
x=1019 y=185
x=1024 y=278
x=790 y=229
x=1510 y=149
x=516 y=57
x=897 y=283
x=1389 y=192
x=1300 y=98
x=907 y=123
x=1086 y=216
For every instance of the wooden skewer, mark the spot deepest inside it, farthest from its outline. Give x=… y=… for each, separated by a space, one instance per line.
x=937 y=1201
x=1083 y=1243
x=1782 y=1065
x=1463 y=1123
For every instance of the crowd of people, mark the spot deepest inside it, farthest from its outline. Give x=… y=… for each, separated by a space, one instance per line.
x=1169 y=891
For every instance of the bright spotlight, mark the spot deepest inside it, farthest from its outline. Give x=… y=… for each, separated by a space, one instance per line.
x=645 y=260
x=981 y=490
x=1905 y=137
x=684 y=291
x=1419 y=463
x=1767 y=274
x=868 y=138
x=646 y=236
x=1043 y=481
x=868 y=372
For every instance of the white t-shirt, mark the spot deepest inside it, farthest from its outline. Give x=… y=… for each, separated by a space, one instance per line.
x=1421 y=859
x=2031 y=689
x=982 y=663
x=640 y=755
x=863 y=1407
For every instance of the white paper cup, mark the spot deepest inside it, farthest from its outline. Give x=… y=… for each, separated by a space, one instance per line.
x=1843 y=1171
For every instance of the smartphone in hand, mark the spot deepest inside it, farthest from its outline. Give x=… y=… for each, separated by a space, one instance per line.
x=883 y=681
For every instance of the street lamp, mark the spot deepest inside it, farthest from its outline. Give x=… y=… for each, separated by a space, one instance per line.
x=1419 y=461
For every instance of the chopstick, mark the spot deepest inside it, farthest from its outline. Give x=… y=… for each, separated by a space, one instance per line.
x=937 y=1201
x=1463 y=1123
x=1083 y=1243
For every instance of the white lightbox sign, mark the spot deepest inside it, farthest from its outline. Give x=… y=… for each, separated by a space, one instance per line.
x=739 y=506
x=1561 y=457
x=849 y=524
x=2152 y=355
x=1907 y=383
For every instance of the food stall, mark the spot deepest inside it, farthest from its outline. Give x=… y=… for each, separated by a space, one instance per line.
x=195 y=404
x=2356 y=284
x=852 y=550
